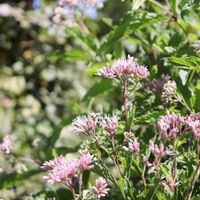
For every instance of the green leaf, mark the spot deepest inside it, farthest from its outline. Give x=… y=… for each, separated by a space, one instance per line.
x=152 y=116
x=197 y=97
x=184 y=76
x=98 y=88
x=173 y=4
x=88 y=40
x=192 y=63
x=15 y=178
x=137 y=3
x=75 y=55
x=129 y=24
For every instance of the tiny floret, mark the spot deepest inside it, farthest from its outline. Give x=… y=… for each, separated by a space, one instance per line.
x=85 y=162
x=170 y=125
x=158 y=151
x=101 y=188
x=48 y=165
x=193 y=122
x=109 y=125
x=134 y=146
x=85 y=124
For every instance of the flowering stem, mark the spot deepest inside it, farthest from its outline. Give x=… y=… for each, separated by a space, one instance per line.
x=99 y=154
x=182 y=101
x=115 y=160
x=80 y=182
x=188 y=192
x=195 y=177
x=125 y=99
x=73 y=192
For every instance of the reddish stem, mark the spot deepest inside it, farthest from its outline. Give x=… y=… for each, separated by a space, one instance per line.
x=115 y=160
x=73 y=192
x=80 y=182
x=125 y=99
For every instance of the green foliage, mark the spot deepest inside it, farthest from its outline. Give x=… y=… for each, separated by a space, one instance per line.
x=49 y=77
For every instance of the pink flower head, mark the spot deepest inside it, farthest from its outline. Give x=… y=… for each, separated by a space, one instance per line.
x=6 y=145
x=85 y=161
x=158 y=152
x=124 y=69
x=193 y=121
x=101 y=188
x=146 y=161
x=85 y=124
x=156 y=85
x=61 y=171
x=170 y=125
x=109 y=125
x=134 y=146
x=164 y=87
x=48 y=165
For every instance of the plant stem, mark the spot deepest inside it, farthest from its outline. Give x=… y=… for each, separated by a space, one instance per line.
x=99 y=154
x=73 y=192
x=175 y=166
x=188 y=192
x=114 y=158
x=80 y=182
x=125 y=99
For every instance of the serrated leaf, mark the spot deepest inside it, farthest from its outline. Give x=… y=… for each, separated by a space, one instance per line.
x=129 y=24
x=192 y=63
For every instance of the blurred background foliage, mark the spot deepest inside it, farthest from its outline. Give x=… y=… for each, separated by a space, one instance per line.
x=47 y=76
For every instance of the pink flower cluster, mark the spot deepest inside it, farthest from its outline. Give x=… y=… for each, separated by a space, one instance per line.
x=123 y=69
x=163 y=87
x=86 y=124
x=134 y=146
x=101 y=188
x=156 y=85
x=193 y=122
x=85 y=161
x=170 y=125
x=158 y=151
x=62 y=171
x=109 y=125
x=6 y=145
